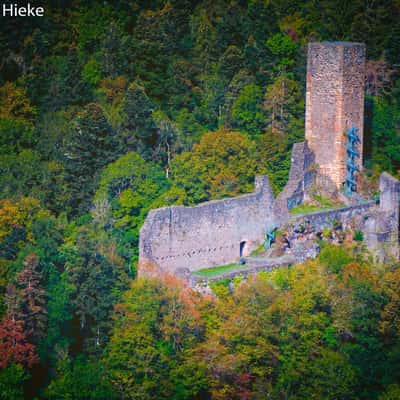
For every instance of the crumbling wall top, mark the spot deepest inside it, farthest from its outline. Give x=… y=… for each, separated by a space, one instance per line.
x=390 y=193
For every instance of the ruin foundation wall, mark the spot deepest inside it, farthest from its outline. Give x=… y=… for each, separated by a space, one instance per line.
x=349 y=217
x=210 y=234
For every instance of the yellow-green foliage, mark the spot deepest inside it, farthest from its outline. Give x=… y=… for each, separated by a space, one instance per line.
x=308 y=331
x=221 y=165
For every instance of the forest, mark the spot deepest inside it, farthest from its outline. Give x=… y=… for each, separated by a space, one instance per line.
x=111 y=108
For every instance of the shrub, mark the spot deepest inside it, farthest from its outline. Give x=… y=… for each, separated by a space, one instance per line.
x=358 y=236
x=334 y=258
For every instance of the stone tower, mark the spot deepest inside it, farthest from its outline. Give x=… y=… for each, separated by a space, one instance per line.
x=334 y=104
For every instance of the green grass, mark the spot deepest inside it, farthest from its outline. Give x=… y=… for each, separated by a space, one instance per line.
x=324 y=201
x=307 y=208
x=215 y=271
x=259 y=250
x=324 y=204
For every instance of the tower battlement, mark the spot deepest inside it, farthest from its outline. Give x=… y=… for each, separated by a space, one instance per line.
x=334 y=104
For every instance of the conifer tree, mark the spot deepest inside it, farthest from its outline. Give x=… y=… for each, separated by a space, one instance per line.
x=92 y=146
x=139 y=112
x=95 y=280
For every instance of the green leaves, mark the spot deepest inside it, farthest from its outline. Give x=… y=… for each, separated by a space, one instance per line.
x=155 y=324
x=80 y=380
x=92 y=146
x=12 y=379
x=334 y=259
x=283 y=49
x=131 y=187
x=247 y=113
x=105 y=112
x=221 y=165
x=281 y=44
x=385 y=134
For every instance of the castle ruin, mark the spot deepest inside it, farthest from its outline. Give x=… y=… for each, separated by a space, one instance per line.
x=334 y=104
x=213 y=233
x=181 y=240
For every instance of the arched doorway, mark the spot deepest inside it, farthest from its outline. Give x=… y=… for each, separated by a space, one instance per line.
x=244 y=248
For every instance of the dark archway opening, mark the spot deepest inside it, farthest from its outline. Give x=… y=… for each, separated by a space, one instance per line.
x=244 y=248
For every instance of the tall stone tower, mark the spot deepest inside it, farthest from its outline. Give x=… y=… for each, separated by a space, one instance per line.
x=334 y=104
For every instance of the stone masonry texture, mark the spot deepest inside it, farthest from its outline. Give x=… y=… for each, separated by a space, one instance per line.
x=334 y=103
x=382 y=227
x=210 y=234
x=301 y=178
x=180 y=240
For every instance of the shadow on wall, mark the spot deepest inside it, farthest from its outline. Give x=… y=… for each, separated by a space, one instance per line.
x=367 y=148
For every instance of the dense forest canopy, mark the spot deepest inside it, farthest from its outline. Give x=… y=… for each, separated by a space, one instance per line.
x=109 y=109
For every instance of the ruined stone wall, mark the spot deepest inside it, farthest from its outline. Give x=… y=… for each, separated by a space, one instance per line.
x=334 y=103
x=182 y=239
x=382 y=226
x=389 y=188
x=301 y=179
x=333 y=225
x=210 y=234
x=350 y=217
